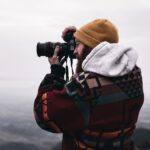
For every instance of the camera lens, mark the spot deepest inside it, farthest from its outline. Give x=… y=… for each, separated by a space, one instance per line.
x=45 y=49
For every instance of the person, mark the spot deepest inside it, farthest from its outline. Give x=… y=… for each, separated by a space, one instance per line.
x=97 y=109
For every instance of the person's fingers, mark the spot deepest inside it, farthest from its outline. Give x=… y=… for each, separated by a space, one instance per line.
x=68 y=29
x=53 y=60
x=56 y=51
x=64 y=32
x=63 y=60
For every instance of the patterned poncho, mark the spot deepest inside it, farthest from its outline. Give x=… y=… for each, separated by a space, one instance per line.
x=90 y=109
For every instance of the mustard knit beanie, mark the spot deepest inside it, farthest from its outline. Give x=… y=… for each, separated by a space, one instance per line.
x=96 y=32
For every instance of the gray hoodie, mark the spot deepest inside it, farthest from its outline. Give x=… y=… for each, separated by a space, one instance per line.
x=110 y=59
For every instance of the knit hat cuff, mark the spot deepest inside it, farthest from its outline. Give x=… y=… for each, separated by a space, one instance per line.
x=86 y=39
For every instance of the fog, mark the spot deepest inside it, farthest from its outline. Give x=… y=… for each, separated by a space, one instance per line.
x=24 y=23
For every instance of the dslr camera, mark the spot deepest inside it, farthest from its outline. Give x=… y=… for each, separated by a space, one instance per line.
x=66 y=49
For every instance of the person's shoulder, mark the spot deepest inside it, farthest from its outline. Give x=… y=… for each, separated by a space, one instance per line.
x=135 y=73
x=90 y=80
x=87 y=75
x=136 y=69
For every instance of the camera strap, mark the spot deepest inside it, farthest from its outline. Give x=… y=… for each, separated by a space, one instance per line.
x=64 y=59
x=67 y=69
x=71 y=62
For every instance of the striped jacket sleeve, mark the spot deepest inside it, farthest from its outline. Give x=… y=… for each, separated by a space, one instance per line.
x=55 y=110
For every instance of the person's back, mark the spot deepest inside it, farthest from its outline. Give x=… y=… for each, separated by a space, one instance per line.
x=114 y=104
x=111 y=98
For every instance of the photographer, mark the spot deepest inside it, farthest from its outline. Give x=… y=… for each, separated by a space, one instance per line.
x=99 y=106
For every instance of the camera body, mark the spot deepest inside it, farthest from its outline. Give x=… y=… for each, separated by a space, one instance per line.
x=66 y=49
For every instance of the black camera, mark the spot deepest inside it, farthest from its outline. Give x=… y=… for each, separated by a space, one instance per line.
x=67 y=49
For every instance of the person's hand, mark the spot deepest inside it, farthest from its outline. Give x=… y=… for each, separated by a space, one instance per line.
x=70 y=28
x=55 y=58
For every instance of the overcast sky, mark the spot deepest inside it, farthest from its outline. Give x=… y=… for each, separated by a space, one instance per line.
x=23 y=23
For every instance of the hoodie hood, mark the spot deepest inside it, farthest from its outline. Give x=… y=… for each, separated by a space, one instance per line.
x=110 y=59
